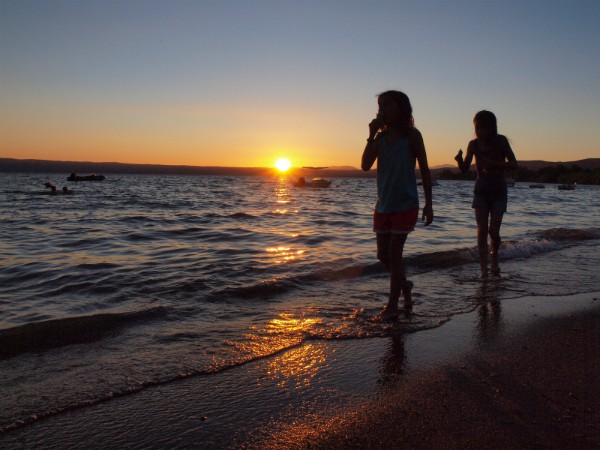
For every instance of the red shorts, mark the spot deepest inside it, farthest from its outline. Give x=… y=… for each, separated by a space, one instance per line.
x=398 y=223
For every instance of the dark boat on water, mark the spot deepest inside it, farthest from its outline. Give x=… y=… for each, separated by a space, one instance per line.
x=314 y=182
x=92 y=177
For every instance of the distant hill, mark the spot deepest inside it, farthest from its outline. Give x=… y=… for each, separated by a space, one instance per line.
x=589 y=163
x=80 y=167
x=534 y=165
x=104 y=168
x=585 y=171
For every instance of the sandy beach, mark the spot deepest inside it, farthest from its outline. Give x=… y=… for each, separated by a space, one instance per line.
x=538 y=387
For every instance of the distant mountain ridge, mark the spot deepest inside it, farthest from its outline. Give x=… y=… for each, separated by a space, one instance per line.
x=81 y=167
x=588 y=163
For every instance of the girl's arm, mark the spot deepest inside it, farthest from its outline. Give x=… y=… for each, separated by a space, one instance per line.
x=511 y=160
x=418 y=147
x=372 y=148
x=370 y=154
x=464 y=165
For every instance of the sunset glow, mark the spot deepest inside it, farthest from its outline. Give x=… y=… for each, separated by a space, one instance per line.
x=176 y=93
x=283 y=164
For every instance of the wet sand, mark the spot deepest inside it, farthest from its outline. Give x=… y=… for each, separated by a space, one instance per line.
x=538 y=387
x=518 y=374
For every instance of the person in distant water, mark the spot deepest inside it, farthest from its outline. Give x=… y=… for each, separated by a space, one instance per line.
x=51 y=187
x=66 y=190
x=493 y=156
x=396 y=145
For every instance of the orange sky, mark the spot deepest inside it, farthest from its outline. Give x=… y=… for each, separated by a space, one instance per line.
x=240 y=84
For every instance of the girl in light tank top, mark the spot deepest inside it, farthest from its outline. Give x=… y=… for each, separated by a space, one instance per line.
x=396 y=145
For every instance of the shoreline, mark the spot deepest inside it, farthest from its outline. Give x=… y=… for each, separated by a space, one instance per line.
x=536 y=385
x=457 y=385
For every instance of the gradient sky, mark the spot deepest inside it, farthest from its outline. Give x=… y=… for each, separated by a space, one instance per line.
x=241 y=83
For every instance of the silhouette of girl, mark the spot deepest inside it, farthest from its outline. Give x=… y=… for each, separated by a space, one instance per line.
x=493 y=156
x=396 y=145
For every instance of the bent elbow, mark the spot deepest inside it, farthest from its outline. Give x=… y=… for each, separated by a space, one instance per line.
x=366 y=165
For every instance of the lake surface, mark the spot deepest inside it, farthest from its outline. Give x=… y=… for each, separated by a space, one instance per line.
x=143 y=280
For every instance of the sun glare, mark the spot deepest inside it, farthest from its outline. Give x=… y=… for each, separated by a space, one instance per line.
x=283 y=164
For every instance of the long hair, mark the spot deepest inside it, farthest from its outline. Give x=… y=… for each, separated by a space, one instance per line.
x=406 y=117
x=486 y=119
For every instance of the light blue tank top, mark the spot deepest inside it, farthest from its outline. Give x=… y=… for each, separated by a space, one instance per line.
x=396 y=180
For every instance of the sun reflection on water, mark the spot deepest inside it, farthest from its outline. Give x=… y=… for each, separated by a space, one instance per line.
x=284 y=254
x=286 y=324
x=294 y=362
x=298 y=365
x=282 y=191
x=282 y=197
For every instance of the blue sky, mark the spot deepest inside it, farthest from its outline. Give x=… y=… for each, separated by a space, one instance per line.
x=242 y=83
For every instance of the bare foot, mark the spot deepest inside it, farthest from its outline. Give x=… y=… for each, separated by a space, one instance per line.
x=495 y=267
x=389 y=313
x=495 y=270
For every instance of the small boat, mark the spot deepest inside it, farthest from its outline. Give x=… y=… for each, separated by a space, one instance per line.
x=314 y=182
x=92 y=177
x=537 y=186
x=566 y=187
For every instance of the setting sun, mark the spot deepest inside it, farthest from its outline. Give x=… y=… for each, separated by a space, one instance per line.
x=283 y=164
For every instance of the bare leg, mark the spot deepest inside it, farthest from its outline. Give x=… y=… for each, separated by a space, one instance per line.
x=481 y=216
x=495 y=223
x=398 y=282
x=390 y=311
x=395 y=264
x=383 y=249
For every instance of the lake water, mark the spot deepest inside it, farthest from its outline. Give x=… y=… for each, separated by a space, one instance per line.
x=140 y=281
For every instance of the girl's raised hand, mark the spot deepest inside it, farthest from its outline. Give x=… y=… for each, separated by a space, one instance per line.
x=375 y=125
x=459 y=156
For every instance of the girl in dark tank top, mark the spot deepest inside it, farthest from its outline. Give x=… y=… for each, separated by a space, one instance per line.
x=493 y=156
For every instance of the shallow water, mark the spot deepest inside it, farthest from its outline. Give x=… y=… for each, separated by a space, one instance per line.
x=142 y=280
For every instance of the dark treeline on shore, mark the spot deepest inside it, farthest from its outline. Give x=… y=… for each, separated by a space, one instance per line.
x=551 y=174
